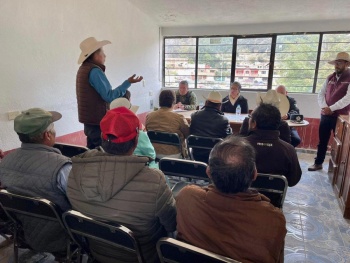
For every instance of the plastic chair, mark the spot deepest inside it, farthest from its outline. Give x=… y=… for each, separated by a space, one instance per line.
x=201 y=143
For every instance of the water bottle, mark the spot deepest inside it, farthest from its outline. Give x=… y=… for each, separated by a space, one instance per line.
x=238 y=110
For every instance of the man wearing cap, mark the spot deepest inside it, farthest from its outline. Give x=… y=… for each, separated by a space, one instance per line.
x=334 y=100
x=185 y=99
x=94 y=92
x=209 y=122
x=144 y=146
x=37 y=169
x=112 y=184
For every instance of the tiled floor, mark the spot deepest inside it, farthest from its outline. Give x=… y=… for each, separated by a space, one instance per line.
x=317 y=232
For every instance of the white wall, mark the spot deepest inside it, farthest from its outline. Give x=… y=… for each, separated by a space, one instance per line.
x=39 y=42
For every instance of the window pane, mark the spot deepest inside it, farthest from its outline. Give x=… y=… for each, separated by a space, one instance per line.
x=214 y=62
x=331 y=45
x=252 y=62
x=295 y=62
x=180 y=57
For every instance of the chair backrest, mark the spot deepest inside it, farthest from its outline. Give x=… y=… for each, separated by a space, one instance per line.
x=184 y=168
x=273 y=186
x=108 y=233
x=70 y=150
x=165 y=138
x=174 y=251
x=31 y=206
x=200 y=142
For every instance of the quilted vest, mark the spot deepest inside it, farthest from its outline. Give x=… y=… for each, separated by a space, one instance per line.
x=32 y=171
x=337 y=89
x=91 y=106
x=185 y=99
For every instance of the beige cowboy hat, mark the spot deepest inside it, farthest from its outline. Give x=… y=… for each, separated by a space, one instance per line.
x=123 y=102
x=214 y=96
x=340 y=56
x=89 y=46
x=278 y=100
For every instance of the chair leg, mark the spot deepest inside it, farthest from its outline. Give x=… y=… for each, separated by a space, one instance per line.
x=15 y=244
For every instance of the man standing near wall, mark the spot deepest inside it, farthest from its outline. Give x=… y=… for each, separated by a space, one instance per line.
x=94 y=92
x=185 y=99
x=334 y=100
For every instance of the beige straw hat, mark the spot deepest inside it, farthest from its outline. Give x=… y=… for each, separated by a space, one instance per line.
x=89 y=46
x=214 y=96
x=278 y=100
x=123 y=102
x=340 y=56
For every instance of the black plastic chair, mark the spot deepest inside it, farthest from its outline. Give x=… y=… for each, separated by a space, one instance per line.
x=273 y=186
x=121 y=238
x=174 y=251
x=70 y=150
x=15 y=205
x=165 y=138
x=201 y=143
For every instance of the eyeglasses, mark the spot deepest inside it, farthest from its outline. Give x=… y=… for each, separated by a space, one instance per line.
x=234 y=89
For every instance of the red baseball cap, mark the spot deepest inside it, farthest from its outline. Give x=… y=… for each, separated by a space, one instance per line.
x=121 y=123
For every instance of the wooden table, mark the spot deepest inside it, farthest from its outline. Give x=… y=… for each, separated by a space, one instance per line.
x=236 y=120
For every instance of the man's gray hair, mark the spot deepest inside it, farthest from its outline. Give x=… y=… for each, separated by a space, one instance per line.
x=184 y=82
x=37 y=138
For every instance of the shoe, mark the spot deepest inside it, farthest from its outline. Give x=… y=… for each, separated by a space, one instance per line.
x=315 y=167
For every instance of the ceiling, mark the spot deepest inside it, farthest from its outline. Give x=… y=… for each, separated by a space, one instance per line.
x=170 y=13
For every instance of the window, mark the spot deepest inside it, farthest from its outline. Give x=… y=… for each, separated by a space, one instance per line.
x=331 y=45
x=253 y=57
x=295 y=62
x=179 y=61
x=214 y=62
x=299 y=60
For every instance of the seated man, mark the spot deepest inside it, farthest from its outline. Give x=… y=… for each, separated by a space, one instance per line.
x=209 y=122
x=165 y=120
x=38 y=170
x=273 y=156
x=231 y=101
x=185 y=99
x=144 y=146
x=110 y=183
x=282 y=104
x=227 y=217
x=293 y=109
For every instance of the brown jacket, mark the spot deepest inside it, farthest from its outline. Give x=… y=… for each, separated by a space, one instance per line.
x=123 y=189
x=242 y=226
x=91 y=106
x=165 y=120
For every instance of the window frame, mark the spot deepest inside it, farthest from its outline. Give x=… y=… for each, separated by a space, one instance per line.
x=234 y=53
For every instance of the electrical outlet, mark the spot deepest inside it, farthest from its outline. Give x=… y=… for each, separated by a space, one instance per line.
x=13 y=114
x=151 y=104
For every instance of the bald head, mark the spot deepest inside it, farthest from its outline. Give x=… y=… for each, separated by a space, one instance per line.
x=281 y=90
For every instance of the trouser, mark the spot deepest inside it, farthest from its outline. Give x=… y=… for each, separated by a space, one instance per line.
x=327 y=124
x=93 y=134
x=294 y=137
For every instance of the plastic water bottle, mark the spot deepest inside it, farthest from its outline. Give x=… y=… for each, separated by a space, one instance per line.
x=238 y=110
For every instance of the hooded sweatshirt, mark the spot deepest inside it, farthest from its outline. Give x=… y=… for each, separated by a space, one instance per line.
x=124 y=190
